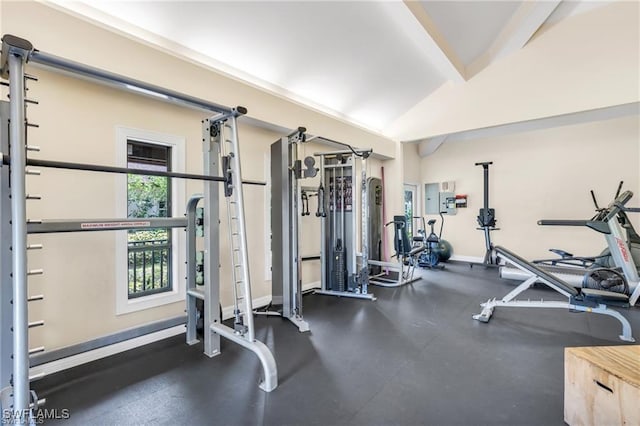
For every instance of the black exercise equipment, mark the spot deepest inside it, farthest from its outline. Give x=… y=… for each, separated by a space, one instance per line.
x=487 y=218
x=430 y=257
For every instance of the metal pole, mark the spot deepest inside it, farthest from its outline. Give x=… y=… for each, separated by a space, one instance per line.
x=21 y=394
x=248 y=301
x=129 y=84
x=364 y=226
x=296 y=283
x=211 y=146
x=6 y=159
x=324 y=251
x=486 y=186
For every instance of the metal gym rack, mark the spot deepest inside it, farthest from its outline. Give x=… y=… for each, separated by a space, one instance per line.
x=221 y=165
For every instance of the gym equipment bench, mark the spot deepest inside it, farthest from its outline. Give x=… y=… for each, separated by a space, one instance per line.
x=581 y=300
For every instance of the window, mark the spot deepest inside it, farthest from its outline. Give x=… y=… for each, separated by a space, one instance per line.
x=149 y=250
x=150 y=263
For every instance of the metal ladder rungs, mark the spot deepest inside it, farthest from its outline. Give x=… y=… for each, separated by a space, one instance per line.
x=35 y=298
x=35 y=272
x=33 y=148
x=34 y=197
x=38 y=323
x=35 y=246
x=32 y=172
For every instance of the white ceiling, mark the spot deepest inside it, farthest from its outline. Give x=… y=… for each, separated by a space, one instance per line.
x=367 y=62
x=470 y=27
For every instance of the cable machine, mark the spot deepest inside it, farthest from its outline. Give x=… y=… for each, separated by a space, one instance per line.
x=345 y=270
x=286 y=199
x=221 y=165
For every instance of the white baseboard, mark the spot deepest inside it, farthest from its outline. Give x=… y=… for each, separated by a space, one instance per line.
x=85 y=357
x=310 y=286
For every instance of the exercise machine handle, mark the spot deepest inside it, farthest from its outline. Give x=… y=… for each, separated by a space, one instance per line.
x=618 y=205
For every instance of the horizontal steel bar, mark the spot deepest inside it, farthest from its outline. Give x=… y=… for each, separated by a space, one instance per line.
x=149 y=248
x=129 y=84
x=36 y=376
x=111 y=169
x=36 y=350
x=6 y=160
x=333 y=153
x=198 y=294
x=84 y=225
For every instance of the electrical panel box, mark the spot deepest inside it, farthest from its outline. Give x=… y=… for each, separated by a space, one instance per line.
x=448 y=203
x=431 y=198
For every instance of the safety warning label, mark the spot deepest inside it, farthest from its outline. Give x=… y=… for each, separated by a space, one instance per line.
x=107 y=225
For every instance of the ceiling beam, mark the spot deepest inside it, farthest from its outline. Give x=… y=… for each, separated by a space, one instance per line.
x=442 y=54
x=516 y=33
x=430 y=145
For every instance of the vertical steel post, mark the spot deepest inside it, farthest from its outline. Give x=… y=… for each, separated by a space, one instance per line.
x=485 y=170
x=211 y=146
x=364 y=226
x=239 y=195
x=21 y=394
x=295 y=290
x=192 y=205
x=324 y=252
x=6 y=291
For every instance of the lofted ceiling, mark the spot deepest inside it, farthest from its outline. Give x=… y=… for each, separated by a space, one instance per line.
x=367 y=62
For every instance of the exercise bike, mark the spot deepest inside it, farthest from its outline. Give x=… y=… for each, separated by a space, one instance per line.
x=430 y=257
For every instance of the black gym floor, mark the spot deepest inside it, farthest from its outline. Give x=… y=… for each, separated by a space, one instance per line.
x=414 y=356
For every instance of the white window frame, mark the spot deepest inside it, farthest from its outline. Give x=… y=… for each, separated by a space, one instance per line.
x=124 y=305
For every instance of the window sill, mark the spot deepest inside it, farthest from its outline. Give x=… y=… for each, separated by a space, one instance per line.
x=148 y=302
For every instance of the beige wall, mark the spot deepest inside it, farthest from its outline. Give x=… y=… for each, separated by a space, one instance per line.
x=411 y=163
x=78 y=121
x=544 y=174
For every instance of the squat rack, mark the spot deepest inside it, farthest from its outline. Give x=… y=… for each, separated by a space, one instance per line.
x=219 y=137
